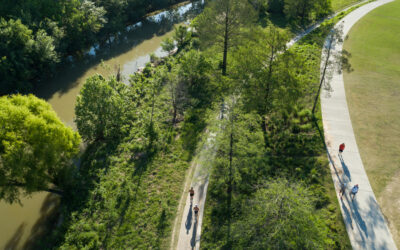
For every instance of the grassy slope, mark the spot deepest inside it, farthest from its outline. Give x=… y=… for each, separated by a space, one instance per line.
x=373 y=95
x=340 y=4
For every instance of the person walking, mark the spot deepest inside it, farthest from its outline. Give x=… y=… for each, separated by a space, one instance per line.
x=341 y=148
x=354 y=191
x=342 y=189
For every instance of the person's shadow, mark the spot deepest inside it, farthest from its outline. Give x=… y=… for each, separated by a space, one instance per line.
x=188 y=222
x=345 y=168
x=347 y=213
x=193 y=240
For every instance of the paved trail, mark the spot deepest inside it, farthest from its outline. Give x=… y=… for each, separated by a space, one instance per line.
x=365 y=224
x=190 y=228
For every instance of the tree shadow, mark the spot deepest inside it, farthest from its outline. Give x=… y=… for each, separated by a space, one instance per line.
x=346 y=211
x=360 y=222
x=142 y=162
x=48 y=221
x=345 y=62
x=15 y=239
x=161 y=226
x=327 y=151
x=188 y=223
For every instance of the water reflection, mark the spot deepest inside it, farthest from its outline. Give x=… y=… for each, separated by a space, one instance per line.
x=130 y=50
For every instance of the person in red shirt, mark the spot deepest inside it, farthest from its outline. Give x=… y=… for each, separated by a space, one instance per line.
x=341 y=148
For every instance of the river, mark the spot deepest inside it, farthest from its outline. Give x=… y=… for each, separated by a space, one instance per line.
x=19 y=225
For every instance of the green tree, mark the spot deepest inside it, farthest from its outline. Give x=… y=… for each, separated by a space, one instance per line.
x=82 y=22
x=256 y=63
x=115 y=14
x=178 y=95
x=195 y=70
x=221 y=24
x=168 y=45
x=24 y=56
x=182 y=36
x=102 y=109
x=306 y=10
x=36 y=147
x=281 y=215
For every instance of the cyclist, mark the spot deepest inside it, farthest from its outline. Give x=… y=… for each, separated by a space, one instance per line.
x=191 y=192
x=196 y=210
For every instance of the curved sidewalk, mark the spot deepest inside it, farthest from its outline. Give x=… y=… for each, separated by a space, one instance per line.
x=365 y=223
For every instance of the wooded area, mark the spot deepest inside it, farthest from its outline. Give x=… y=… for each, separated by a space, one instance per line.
x=142 y=137
x=36 y=35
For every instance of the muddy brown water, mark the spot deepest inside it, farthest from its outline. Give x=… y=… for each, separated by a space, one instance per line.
x=19 y=225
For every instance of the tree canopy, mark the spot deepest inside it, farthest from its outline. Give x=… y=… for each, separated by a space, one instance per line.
x=281 y=215
x=221 y=25
x=35 y=35
x=35 y=148
x=24 y=55
x=101 y=110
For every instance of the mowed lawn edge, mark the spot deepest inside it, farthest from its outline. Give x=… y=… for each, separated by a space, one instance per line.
x=373 y=96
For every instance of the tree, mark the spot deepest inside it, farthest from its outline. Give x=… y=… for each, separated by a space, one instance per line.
x=305 y=9
x=102 y=109
x=36 y=147
x=236 y=169
x=178 y=93
x=83 y=20
x=260 y=5
x=168 y=45
x=281 y=215
x=24 y=56
x=221 y=24
x=182 y=36
x=195 y=71
x=115 y=13
x=256 y=65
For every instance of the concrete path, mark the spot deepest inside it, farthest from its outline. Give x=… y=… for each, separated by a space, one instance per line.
x=365 y=223
x=190 y=228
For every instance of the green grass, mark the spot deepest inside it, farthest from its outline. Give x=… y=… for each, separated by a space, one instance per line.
x=340 y=4
x=373 y=96
x=129 y=189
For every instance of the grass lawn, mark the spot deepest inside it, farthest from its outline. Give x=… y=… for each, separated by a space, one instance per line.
x=340 y=4
x=373 y=96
